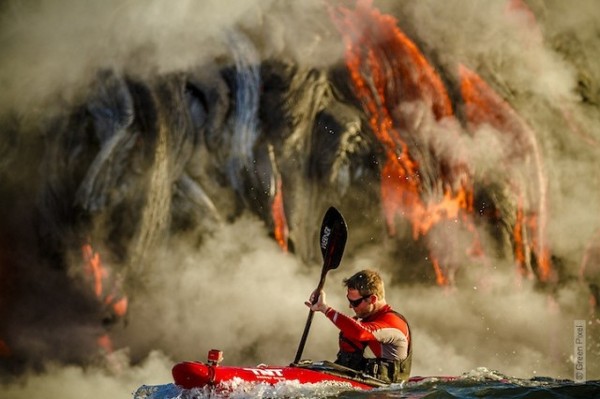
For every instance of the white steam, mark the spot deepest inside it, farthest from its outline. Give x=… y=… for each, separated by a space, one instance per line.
x=74 y=382
x=238 y=291
x=240 y=294
x=53 y=48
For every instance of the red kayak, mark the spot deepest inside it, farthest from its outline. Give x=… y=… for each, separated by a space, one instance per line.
x=195 y=374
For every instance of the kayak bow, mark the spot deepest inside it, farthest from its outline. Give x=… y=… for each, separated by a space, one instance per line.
x=194 y=374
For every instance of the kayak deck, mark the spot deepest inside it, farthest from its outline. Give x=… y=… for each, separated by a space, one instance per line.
x=193 y=374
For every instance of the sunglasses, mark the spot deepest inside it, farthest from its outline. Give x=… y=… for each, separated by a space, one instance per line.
x=356 y=302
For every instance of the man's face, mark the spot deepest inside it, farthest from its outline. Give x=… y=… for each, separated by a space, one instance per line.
x=362 y=306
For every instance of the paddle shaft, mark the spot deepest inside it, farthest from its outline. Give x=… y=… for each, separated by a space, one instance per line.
x=310 y=315
x=332 y=242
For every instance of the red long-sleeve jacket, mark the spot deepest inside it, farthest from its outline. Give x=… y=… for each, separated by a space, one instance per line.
x=386 y=333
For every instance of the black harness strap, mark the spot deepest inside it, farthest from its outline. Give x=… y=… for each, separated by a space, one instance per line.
x=357 y=348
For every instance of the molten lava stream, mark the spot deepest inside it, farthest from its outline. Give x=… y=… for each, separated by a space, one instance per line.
x=484 y=106
x=388 y=69
x=281 y=230
x=99 y=276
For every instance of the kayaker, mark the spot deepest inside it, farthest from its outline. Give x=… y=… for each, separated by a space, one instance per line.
x=377 y=339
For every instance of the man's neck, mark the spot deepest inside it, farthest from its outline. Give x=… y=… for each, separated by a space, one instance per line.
x=380 y=304
x=377 y=307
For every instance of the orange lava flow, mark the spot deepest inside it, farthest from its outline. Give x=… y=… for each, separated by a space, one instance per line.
x=440 y=278
x=484 y=106
x=105 y=343
x=281 y=230
x=388 y=70
x=93 y=268
x=520 y=245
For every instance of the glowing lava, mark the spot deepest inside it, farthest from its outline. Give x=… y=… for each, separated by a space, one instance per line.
x=389 y=72
x=524 y=168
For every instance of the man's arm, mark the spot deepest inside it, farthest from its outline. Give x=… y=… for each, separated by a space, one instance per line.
x=366 y=331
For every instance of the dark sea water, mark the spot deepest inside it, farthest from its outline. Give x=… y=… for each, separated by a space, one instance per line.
x=480 y=383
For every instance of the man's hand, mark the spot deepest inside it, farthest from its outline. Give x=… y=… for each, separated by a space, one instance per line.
x=320 y=305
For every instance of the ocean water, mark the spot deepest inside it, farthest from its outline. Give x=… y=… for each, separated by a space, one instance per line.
x=479 y=383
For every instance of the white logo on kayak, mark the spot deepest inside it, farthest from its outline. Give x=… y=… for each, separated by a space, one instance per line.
x=266 y=372
x=325 y=237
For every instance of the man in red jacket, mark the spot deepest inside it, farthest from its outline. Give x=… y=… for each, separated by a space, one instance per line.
x=377 y=339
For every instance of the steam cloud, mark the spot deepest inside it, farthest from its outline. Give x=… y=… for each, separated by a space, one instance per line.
x=237 y=289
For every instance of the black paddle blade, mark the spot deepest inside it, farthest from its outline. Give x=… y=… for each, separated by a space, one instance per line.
x=333 y=238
